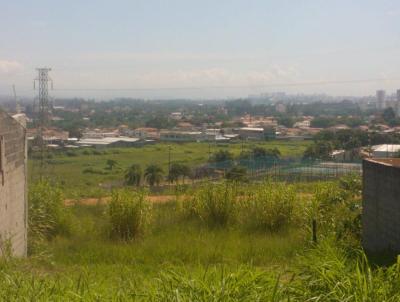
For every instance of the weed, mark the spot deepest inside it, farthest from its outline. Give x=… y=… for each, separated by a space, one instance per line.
x=129 y=213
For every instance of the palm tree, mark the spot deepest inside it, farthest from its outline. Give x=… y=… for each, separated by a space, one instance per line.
x=153 y=174
x=111 y=163
x=133 y=175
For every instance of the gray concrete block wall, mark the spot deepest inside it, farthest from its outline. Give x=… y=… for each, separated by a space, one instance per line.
x=13 y=203
x=381 y=205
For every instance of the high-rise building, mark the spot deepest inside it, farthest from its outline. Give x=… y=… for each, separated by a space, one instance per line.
x=397 y=107
x=380 y=99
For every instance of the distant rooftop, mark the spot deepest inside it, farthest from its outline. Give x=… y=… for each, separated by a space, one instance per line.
x=395 y=162
x=106 y=140
x=386 y=148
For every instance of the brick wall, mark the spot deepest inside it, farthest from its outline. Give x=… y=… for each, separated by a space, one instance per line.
x=13 y=207
x=381 y=205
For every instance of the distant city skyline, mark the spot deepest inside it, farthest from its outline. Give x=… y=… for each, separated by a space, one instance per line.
x=216 y=49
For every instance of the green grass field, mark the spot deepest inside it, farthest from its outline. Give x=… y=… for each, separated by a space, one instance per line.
x=184 y=259
x=69 y=170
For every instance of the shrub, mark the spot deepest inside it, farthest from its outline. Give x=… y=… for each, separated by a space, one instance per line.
x=214 y=204
x=237 y=174
x=47 y=215
x=86 y=152
x=270 y=207
x=337 y=209
x=129 y=213
x=71 y=154
x=97 y=152
x=91 y=170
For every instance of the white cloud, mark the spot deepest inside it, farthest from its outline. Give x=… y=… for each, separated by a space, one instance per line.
x=10 y=67
x=160 y=56
x=214 y=77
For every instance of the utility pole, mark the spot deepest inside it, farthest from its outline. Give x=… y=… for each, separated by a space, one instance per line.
x=44 y=107
x=169 y=162
x=17 y=105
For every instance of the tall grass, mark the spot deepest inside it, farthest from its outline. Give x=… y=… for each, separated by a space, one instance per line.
x=47 y=215
x=322 y=273
x=330 y=273
x=214 y=204
x=129 y=214
x=186 y=260
x=270 y=207
x=337 y=209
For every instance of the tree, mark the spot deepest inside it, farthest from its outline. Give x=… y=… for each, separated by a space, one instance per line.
x=319 y=150
x=111 y=163
x=260 y=152
x=286 y=120
x=153 y=174
x=133 y=175
x=237 y=174
x=177 y=170
x=221 y=156
x=388 y=115
x=323 y=122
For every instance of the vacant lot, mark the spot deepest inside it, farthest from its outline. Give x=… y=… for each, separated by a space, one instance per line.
x=83 y=173
x=207 y=245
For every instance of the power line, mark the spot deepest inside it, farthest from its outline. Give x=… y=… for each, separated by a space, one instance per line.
x=313 y=83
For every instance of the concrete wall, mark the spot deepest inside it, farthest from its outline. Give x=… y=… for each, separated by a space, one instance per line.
x=13 y=198
x=381 y=205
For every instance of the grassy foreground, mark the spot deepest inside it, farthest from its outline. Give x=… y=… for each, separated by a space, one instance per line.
x=205 y=249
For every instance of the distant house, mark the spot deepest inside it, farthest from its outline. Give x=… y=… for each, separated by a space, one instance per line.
x=124 y=130
x=109 y=142
x=176 y=115
x=185 y=126
x=339 y=127
x=385 y=151
x=251 y=133
x=100 y=133
x=302 y=124
x=146 y=133
x=13 y=185
x=181 y=136
x=346 y=155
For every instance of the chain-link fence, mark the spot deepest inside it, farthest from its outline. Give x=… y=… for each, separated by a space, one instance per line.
x=287 y=169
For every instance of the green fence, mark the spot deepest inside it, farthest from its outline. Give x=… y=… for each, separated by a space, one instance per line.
x=289 y=169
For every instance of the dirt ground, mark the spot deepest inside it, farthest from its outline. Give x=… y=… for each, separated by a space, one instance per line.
x=104 y=200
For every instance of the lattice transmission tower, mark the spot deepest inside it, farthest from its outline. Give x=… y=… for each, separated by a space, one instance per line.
x=43 y=109
x=44 y=104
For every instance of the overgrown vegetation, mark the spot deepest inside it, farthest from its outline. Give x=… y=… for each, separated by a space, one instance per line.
x=129 y=213
x=219 y=242
x=47 y=215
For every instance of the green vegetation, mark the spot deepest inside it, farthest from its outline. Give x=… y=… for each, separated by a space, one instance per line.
x=133 y=175
x=178 y=170
x=153 y=174
x=47 y=215
x=129 y=213
x=224 y=242
x=237 y=174
x=86 y=173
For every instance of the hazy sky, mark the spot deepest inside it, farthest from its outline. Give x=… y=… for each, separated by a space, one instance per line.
x=203 y=43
